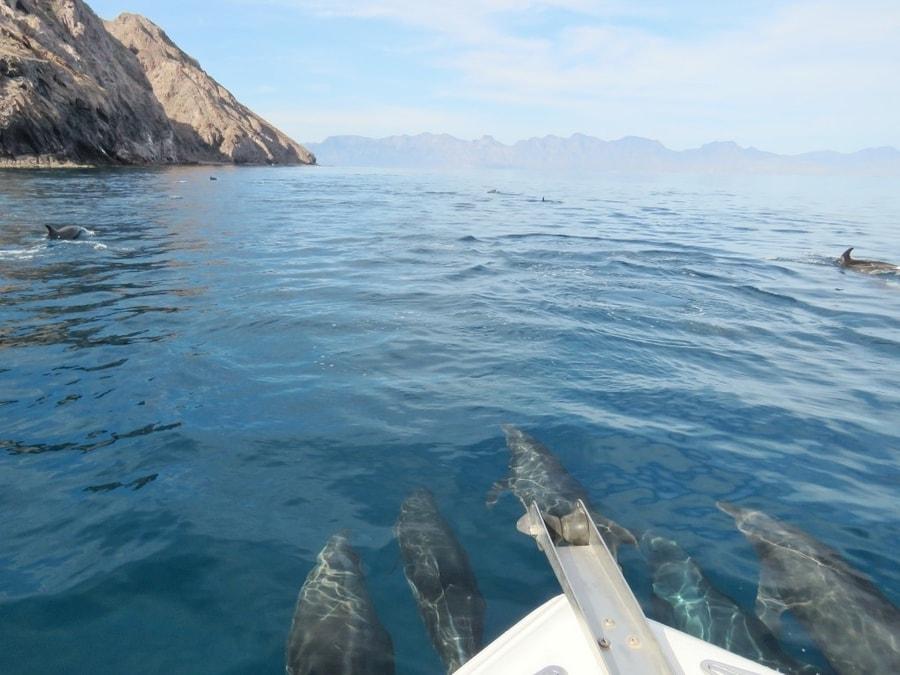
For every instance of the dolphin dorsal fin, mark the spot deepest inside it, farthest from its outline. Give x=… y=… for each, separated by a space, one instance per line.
x=50 y=229
x=845 y=256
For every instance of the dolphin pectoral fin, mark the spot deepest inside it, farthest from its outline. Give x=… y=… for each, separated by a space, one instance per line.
x=496 y=490
x=613 y=533
x=769 y=606
x=611 y=543
x=769 y=611
x=623 y=534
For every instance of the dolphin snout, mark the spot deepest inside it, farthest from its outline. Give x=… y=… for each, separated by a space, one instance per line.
x=510 y=432
x=731 y=509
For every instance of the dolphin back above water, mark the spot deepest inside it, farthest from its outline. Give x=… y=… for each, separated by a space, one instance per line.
x=856 y=627
x=437 y=569
x=537 y=475
x=871 y=266
x=69 y=232
x=694 y=606
x=335 y=629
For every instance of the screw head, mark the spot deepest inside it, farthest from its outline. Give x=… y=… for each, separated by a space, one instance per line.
x=603 y=643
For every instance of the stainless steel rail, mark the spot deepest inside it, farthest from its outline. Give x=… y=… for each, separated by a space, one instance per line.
x=609 y=614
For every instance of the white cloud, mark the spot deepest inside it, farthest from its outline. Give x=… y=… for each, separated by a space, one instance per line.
x=808 y=74
x=800 y=50
x=316 y=124
x=465 y=22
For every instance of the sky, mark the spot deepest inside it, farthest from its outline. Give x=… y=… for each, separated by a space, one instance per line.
x=788 y=76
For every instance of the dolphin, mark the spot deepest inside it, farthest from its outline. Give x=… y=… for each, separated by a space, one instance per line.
x=537 y=475
x=68 y=232
x=693 y=606
x=856 y=627
x=335 y=629
x=869 y=266
x=437 y=569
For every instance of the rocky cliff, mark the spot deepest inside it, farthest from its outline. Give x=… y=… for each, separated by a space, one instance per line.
x=206 y=118
x=73 y=94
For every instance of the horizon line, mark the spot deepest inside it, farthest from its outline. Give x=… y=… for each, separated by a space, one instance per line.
x=490 y=137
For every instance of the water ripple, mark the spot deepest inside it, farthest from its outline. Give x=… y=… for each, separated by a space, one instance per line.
x=224 y=373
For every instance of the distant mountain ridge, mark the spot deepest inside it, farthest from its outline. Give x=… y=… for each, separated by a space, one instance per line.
x=76 y=91
x=582 y=152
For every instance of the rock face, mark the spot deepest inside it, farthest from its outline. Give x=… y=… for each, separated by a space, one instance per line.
x=72 y=94
x=200 y=108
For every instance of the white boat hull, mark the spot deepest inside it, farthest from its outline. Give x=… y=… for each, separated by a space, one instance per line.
x=550 y=641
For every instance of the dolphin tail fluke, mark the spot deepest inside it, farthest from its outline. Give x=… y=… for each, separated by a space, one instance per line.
x=496 y=490
x=845 y=256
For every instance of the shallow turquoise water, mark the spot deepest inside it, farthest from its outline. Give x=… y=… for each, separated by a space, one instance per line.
x=225 y=373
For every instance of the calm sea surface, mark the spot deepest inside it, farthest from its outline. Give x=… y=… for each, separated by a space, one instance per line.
x=194 y=398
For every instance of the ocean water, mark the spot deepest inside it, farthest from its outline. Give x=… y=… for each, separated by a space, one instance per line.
x=224 y=373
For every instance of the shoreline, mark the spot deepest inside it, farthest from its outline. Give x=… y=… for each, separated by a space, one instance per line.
x=32 y=163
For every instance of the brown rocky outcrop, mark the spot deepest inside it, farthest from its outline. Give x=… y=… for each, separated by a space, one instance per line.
x=73 y=94
x=199 y=107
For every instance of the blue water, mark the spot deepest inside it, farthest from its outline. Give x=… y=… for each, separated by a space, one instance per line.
x=196 y=396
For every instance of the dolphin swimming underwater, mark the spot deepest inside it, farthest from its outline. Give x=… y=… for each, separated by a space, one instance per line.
x=694 y=606
x=868 y=266
x=335 y=629
x=437 y=569
x=855 y=626
x=537 y=475
x=68 y=232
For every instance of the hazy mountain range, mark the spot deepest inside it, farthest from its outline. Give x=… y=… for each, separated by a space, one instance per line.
x=581 y=152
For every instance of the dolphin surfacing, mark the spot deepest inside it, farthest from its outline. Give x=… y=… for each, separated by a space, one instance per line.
x=537 y=475
x=442 y=582
x=68 y=233
x=694 y=606
x=868 y=266
x=335 y=629
x=855 y=626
